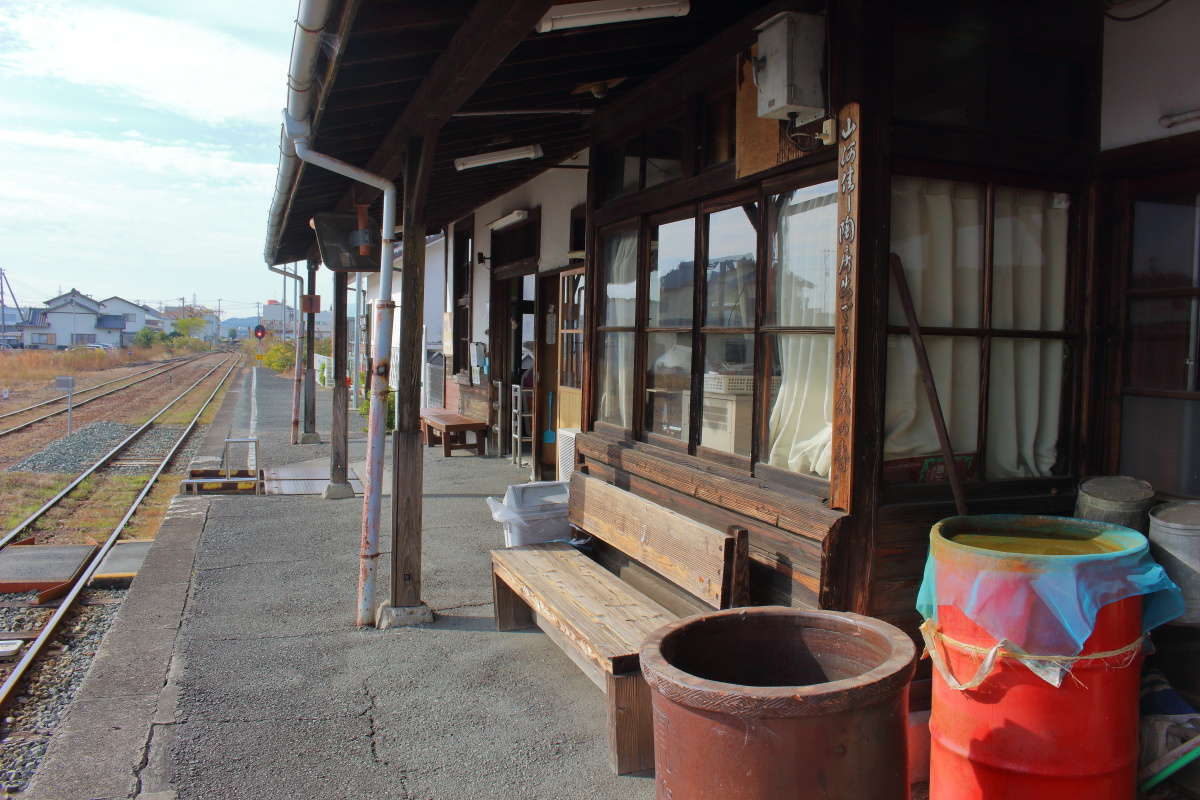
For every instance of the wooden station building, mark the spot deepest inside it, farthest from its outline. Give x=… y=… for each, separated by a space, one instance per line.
x=711 y=297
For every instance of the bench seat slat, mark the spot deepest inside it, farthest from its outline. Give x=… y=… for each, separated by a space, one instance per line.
x=598 y=614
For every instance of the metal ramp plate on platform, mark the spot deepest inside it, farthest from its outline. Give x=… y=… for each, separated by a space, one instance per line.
x=220 y=481
x=303 y=478
x=30 y=567
x=124 y=560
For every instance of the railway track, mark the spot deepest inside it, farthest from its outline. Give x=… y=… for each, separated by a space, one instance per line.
x=148 y=374
x=25 y=647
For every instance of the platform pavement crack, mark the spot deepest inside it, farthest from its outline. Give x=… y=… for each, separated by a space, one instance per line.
x=480 y=604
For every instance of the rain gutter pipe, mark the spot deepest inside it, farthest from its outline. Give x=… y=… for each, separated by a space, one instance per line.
x=298 y=375
x=298 y=132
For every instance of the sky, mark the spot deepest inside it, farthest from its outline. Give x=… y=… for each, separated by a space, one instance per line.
x=138 y=146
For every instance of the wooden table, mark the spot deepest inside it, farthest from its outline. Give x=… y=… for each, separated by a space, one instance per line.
x=451 y=429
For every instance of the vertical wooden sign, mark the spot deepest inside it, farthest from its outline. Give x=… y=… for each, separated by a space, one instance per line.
x=841 y=476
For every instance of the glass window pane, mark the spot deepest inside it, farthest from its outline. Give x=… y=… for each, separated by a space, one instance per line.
x=664 y=152
x=732 y=258
x=571 y=367
x=937 y=231
x=1024 y=407
x=800 y=273
x=672 y=273
x=614 y=379
x=911 y=451
x=572 y=302
x=800 y=415
x=668 y=384
x=620 y=168
x=1164 y=336
x=618 y=253
x=1166 y=247
x=1158 y=443
x=1029 y=262
x=727 y=415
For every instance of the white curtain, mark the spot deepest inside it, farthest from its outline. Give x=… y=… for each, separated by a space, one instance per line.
x=800 y=428
x=1028 y=293
x=937 y=230
x=616 y=378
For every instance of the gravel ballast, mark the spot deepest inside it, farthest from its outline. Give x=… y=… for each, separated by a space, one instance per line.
x=78 y=451
x=40 y=707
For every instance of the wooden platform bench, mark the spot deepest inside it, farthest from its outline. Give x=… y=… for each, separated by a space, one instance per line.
x=450 y=429
x=598 y=619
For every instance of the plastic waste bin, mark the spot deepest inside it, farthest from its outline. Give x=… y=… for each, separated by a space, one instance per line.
x=533 y=512
x=774 y=703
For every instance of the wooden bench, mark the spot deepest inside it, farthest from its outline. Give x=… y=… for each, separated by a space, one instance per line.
x=599 y=620
x=451 y=429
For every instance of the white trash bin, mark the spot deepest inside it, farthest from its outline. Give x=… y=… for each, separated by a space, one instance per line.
x=532 y=513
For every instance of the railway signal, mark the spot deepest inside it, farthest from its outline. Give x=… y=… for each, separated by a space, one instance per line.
x=259 y=331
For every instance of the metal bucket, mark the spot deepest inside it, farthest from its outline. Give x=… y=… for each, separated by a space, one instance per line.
x=775 y=703
x=1118 y=499
x=1175 y=543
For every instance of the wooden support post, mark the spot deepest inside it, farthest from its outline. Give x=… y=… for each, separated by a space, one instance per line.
x=310 y=435
x=339 y=447
x=407 y=451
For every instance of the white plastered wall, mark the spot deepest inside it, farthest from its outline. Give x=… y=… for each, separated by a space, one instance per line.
x=1151 y=68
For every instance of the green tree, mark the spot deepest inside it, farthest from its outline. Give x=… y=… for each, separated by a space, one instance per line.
x=189 y=326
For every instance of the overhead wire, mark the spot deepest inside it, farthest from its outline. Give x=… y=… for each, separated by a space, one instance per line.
x=1137 y=16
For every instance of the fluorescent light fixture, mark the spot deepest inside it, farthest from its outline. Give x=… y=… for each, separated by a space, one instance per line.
x=530 y=151
x=605 y=12
x=511 y=218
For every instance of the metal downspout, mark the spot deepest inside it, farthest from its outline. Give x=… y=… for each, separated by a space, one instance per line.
x=297 y=131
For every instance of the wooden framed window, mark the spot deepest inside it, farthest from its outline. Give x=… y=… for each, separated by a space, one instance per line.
x=716 y=320
x=460 y=294
x=1160 y=375
x=988 y=269
x=571 y=322
x=617 y=256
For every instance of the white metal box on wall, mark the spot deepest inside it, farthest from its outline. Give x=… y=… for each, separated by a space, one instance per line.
x=789 y=65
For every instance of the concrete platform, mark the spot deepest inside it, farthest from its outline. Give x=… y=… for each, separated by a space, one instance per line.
x=31 y=567
x=251 y=680
x=305 y=477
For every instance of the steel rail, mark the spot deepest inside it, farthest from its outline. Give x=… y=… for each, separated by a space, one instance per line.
x=22 y=426
x=13 y=678
x=78 y=392
x=111 y=454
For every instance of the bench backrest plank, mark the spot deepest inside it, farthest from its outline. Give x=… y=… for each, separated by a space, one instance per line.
x=706 y=562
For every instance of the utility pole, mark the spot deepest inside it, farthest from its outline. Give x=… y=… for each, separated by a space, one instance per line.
x=3 y=309
x=357 y=330
x=217 y=328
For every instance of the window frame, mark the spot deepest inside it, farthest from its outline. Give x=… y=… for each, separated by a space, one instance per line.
x=699 y=210
x=563 y=278
x=1072 y=334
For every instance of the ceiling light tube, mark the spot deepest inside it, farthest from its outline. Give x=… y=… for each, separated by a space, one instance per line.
x=530 y=151
x=511 y=218
x=605 y=12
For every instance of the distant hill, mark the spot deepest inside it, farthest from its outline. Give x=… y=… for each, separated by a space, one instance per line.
x=244 y=323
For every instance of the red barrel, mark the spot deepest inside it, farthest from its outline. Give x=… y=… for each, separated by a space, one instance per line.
x=1016 y=735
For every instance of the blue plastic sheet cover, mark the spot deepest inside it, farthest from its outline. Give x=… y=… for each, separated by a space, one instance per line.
x=1043 y=604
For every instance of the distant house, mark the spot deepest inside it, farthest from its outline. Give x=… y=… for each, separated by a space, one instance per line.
x=135 y=316
x=71 y=319
x=172 y=313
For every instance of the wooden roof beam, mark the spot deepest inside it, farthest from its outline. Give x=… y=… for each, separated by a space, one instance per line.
x=490 y=32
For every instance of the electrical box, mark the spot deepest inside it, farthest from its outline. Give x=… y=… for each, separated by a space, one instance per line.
x=789 y=66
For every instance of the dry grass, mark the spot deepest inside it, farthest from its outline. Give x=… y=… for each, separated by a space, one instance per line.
x=149 y=516
x=22 y=493
x=89 y=512
x=35 y=366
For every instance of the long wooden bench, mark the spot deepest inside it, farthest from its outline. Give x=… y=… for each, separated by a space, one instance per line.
x=598 y=619
x=450 y=429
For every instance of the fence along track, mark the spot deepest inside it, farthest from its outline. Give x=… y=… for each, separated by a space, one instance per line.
x=31 y=652
x=22 y=426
